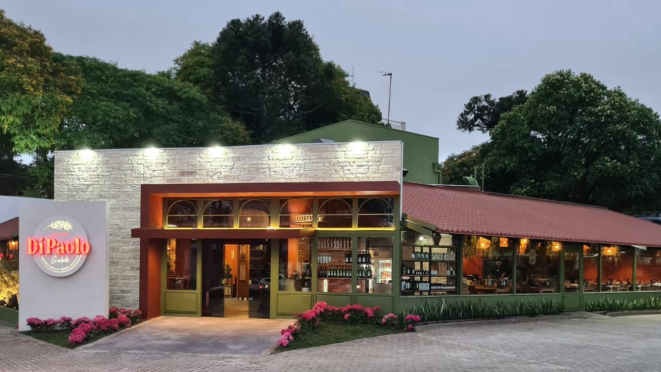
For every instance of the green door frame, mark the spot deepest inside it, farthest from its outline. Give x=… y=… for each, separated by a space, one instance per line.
x=572 y=301
x=178 y=298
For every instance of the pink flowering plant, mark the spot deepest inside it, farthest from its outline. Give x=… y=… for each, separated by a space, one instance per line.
x=321 y=312
x=410 y=321
x=85 y=329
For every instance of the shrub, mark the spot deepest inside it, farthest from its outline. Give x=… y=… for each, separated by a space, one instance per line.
x=608 y=304
x=443 y=310
x=9 y=282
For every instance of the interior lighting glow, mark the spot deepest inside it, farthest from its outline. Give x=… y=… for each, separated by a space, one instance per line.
x=151 y=152
x=216 y=152
x=556 y=246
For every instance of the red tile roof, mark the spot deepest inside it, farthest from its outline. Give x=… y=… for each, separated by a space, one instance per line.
x=9 y=229
x=462 y=211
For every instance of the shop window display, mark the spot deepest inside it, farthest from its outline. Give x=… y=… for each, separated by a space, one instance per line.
x=487 y=265
x=616 y=268
x=182 y=264
x=648 y=270
x=374 y=265
x=334 y=265
x=295 y=272
x=538 y=267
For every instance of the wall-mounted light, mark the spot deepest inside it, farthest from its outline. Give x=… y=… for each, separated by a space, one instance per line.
x=357 y=147
x=151 y=152
x=86 y=154
x=216 y=152
x=285 y=150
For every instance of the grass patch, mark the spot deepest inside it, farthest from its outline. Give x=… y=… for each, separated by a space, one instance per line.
x=59 y=338
x=334 y=332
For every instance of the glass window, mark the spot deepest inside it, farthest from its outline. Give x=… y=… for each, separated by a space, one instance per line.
x=295 y=265
x=591 y=268
x=334 y=265
x=182 y=264
x=616 y=268
x=375 y=213
x=538 y=267
x=254 y=213
x=296 y=213
x=488 y=264
x=648 y=269
x=182 y=213
x=335 y=213
x=429 y=264
x=374 y=265
x=218 y=213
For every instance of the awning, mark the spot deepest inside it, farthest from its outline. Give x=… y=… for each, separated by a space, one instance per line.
x=461 y=210
x=9 y=229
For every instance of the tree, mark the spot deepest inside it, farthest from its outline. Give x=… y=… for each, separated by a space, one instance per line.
x=36 y=91
x=482 y=113
x=457 y=166
x=268 y=74
x=120 y=108
x=576 y=140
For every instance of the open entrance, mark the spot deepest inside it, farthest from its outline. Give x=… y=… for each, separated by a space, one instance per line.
x=236 y=278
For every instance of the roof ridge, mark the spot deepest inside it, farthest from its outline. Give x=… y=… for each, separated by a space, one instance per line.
x=512 y=196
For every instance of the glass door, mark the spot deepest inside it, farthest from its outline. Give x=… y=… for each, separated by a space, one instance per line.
x=213 y=275
x=259 y=287
x=572 y=295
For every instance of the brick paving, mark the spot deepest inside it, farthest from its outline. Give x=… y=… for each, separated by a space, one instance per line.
x=585 y=343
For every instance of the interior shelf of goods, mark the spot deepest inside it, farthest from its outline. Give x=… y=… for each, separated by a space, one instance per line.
x=429 y=270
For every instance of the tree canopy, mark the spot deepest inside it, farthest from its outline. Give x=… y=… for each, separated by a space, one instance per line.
x=482 y=113
x=268 y=73
x=36 y=90
x=576 y=140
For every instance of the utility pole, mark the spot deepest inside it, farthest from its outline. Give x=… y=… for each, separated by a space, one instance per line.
x=389 y=92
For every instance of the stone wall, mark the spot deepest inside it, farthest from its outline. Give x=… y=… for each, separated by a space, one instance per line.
x=115 y=176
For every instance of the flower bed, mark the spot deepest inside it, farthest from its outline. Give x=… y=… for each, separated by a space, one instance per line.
x=325 y=324
x=81 y=330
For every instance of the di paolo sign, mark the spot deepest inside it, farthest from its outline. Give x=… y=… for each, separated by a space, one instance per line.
x=59 y=246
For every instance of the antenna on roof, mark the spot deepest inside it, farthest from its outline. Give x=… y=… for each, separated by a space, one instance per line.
x=352 y=81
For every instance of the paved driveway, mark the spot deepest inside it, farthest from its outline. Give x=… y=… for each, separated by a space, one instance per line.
x=597 y=343
x=222 y=336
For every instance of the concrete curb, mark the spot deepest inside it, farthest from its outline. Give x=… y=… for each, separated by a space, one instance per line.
x=632 y=312
x=513 y=320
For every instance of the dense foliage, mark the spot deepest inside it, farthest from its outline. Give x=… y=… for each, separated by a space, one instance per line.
x=573 y=139
x=610 y=304
x=483 y=113
x=268 y=73
x=443 y=310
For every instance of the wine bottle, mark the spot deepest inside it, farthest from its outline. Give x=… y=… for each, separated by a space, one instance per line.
x=369 y=258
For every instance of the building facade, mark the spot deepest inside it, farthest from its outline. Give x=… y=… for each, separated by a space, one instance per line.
x=267 y=231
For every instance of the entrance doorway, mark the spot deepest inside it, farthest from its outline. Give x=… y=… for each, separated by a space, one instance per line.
x=236 y=278
x=572 y=295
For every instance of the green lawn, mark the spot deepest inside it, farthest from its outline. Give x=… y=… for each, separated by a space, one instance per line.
x=333 y=332
x=59 y=338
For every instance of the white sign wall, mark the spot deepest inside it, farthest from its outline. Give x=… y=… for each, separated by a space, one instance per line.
x=63 y=260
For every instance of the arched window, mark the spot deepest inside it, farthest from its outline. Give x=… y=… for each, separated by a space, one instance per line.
x=182 y=213
x=335 y=213
x=375 y=213
x=218 y=213
x=254 y=213
x=296 y=213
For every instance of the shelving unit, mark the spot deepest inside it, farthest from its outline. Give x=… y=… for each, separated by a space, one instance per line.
x=429 y=270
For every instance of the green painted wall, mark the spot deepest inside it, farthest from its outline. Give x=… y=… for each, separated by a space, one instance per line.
x=420 y=151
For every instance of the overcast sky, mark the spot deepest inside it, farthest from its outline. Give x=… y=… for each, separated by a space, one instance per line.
x=441 y=53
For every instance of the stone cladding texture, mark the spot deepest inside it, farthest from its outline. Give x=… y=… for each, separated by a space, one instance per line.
x=115 y=176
